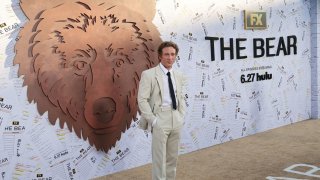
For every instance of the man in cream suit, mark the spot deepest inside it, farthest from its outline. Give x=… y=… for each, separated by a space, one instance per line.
x=162 y=106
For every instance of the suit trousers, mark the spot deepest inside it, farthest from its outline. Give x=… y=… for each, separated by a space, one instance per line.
x=165 y=146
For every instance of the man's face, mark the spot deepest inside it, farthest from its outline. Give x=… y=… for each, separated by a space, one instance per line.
x=168 y=57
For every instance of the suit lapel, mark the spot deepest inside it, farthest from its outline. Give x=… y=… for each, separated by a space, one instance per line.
x=159 y=78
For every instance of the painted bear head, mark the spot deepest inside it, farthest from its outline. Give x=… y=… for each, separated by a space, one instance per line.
x=81 y=62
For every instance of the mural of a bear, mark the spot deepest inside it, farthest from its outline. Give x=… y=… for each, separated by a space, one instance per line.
x=81 y=62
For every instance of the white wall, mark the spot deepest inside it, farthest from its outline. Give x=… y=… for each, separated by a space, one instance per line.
x=220 y=107
x=315 y=57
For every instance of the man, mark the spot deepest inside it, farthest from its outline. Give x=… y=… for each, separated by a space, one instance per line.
x=162 y=106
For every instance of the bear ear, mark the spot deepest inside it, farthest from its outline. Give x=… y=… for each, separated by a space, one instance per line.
x=33 y=7
x=147 y=8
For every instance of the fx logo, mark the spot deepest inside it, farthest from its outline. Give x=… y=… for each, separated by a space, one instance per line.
x=3 y=25
x=255 y=20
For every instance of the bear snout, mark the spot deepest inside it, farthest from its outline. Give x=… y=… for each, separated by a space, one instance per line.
x=104 y=109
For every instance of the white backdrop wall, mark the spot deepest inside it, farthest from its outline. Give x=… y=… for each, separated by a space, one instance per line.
x=219 y=107
x=315 y=58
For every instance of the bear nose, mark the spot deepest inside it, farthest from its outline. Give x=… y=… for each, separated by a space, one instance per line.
x=104 y=109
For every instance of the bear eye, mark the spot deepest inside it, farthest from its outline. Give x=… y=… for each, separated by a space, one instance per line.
x=80 y=64
x=119 y=62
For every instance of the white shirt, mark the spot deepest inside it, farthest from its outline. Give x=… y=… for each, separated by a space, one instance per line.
x=166 y=98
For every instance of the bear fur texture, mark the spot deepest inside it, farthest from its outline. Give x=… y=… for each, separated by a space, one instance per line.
x=81 y=62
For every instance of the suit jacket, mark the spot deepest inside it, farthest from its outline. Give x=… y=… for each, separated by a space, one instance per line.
x=150 y=96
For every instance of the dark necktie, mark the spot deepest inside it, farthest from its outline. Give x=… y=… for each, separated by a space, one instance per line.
x=173 y=97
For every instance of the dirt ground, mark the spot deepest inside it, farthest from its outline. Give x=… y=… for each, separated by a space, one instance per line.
x=290 y=152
